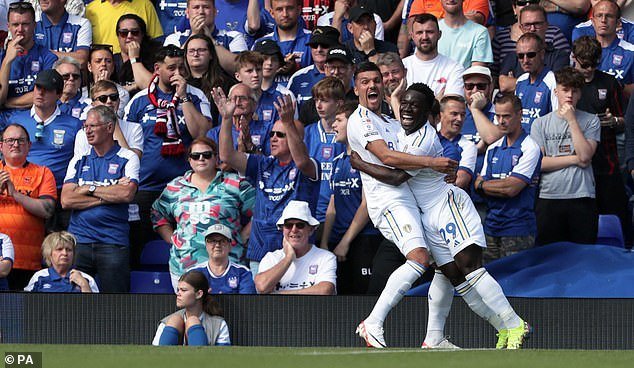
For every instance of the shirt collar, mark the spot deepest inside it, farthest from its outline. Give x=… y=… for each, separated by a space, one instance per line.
x=298 y=35
x=47 y=23
x=518 y=141
x=111 y=152
x=50 y=118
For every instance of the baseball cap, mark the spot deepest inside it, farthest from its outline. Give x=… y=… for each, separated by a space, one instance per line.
x=477 y=70
x=324 y=35
x=298 y=210
x=268 y=47
x=218 y=229
x=339 y=53
x=50 y=80
x=357 y=12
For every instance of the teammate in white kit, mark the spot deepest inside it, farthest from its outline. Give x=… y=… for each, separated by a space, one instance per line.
x=453 y=231
x=392 y=209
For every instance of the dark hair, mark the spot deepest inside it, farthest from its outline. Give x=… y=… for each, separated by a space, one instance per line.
x=146 y=42
x=530 y=36
x=199 y=282
x=533 y=8
x=19 y=126
x=168 y=51
x=347 y=108
x=569 y=77
x=508 y=97
x=21 y=7
x=214 y=76
x=206 y=141
x=366 y=66
x=447 y=98
x=249 y=57
x=587 y=48
x=435 y=108
x=426 y=17
x=428 y=94
x=101 y=47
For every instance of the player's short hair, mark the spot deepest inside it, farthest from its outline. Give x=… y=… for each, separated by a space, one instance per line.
x=569 y=77
x=102 y=85
x=428 y=94
x=587 y=49
x=389 y=58
x=206 y=141
x=51 y=242
x=347 y=108
x=366 y=66
x=329 y=87
x=426 y=17
x=508 y=97
x=530 y=8
x=19 y=126
x=446 y=99
x=246 y=58
x=530 y=36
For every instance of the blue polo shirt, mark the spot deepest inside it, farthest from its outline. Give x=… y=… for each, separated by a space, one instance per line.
x=24 y=69
x=449 y=149
x=74 y=107
x=72 y=33
x=302 y=81
x=55 y=149
x=538 y=98
x=513 y=216
x=346 y=187
x=265 y=110
x=323 y=147
x=49 y=281
x=626 y=32
x=298 y=46
x=259 y=131
x=157 y=170
x=106 y=223
x=170 y=13
x=470 y=132
x=618 y=60
x=276 y=185
x=236 y=279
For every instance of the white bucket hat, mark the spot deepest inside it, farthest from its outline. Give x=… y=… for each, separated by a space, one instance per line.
x=297 y=210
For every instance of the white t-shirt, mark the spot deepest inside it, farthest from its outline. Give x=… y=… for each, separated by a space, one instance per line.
x=438 y=74
x=364 y=127
x=132 y=132
x=318 y=265
x=427 y=185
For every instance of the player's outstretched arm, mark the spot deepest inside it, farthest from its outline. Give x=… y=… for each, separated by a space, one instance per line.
x=381 y=173
x=405 y=161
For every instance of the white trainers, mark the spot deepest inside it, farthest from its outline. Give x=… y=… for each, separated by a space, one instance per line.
x=443 y=344
x=372 y=334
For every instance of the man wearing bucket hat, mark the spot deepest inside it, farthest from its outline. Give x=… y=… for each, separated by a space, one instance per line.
x=299 y=267
x=224 y=276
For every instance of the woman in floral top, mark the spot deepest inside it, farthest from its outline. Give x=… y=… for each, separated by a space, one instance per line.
x=193 y=202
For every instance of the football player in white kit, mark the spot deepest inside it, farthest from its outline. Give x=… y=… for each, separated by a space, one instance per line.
x=452 y=228
x=392 y=209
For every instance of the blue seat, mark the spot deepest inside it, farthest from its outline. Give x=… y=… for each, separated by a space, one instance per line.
x=155 y=256
x=145 y=282
x=610 y=232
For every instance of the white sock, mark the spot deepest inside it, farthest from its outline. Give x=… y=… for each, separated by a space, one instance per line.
x=439 y=299
x=397 y=285
x=477 y=305
x=493 y=296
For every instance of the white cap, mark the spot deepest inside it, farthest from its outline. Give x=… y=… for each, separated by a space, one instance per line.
x=297 y=210
x=219 y=229
x=478 y=69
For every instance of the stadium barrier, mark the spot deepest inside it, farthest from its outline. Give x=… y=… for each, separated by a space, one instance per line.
x=307 y=320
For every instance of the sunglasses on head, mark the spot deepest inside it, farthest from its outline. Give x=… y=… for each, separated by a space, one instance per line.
x=20 y=5
x=67 y=76
x=299 y=225
x=526 y=2
x=276 y=133
x=198 y=155
x=104 y=98
x=99 y=46
x=479 y=86
x=529 y=55
x=124 y=32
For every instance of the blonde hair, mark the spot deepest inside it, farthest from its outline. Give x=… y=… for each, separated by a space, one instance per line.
x=53 y=240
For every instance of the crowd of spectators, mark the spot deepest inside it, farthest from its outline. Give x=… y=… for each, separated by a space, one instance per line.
x=220 y=127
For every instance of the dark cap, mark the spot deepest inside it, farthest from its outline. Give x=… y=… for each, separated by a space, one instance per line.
x=51 y=80
x=357 y=12
x=268 y=47
x=339 y=53
x=324 y=35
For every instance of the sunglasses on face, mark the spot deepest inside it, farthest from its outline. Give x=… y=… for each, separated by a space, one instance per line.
x=276 y=133
x=299 y=225
x=124 y=32
x=104 y=98
x=67 y=76
x=479 y=86
x=529 y=55
x=586 y=64
x=198 y=155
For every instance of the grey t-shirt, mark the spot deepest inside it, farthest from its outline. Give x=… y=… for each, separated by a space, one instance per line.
x=552 y=134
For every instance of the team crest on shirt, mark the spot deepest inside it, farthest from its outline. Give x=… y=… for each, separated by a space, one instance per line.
x=26 y=180
x=58 y=137
x=76 y=112
x=112 y=168
x=514 y=160
x=255 y=139
x=603 y=93
x=312 y=269
x=292 y=174
x=67 y=37
x=326 y=152
x=233 y=282
x=35 y=66
x=617 y=60
x=538 y=97
x=266 y=114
